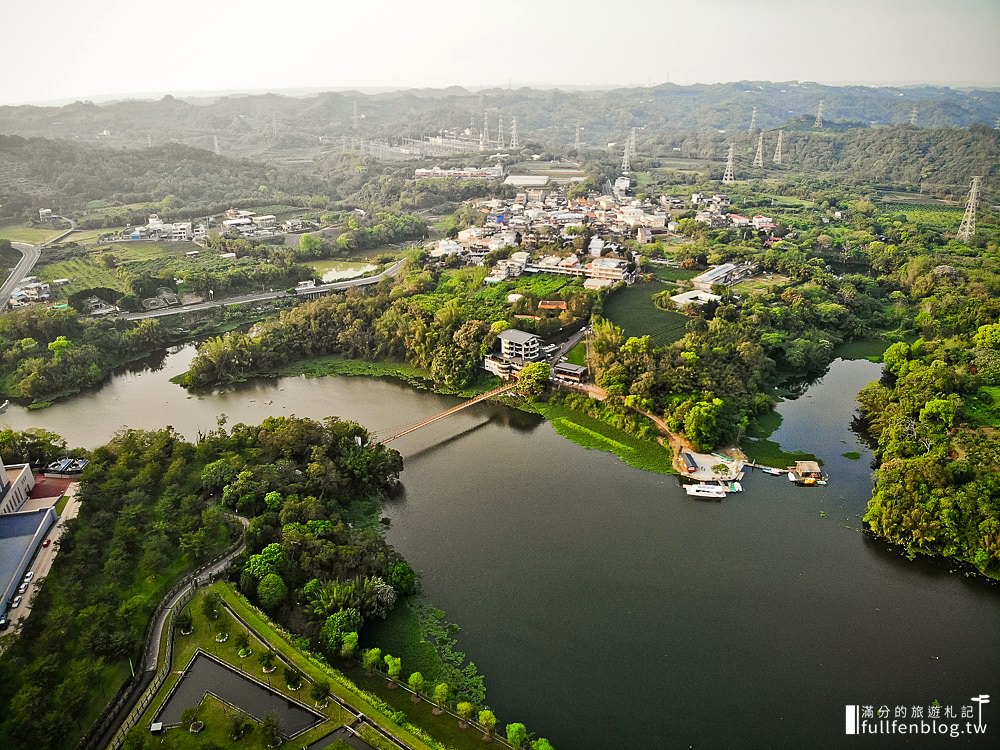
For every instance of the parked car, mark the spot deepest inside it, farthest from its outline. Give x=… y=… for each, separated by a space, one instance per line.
x=16 y=602
x=3 y=622
x=28 y=576
x=47 y=542
x=22 y=588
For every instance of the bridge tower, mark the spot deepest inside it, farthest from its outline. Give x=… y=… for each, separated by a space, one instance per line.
x=777 y=149
x=968 y=228
x=729 y=175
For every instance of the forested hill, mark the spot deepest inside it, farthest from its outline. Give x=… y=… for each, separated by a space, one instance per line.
x=64 y=173
x=267 y=123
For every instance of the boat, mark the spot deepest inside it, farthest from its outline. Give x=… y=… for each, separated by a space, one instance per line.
x=772 y=471
x=807 y=474
x=712 y=491
x=735 y=487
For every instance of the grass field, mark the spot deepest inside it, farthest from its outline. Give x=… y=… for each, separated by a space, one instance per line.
x=28 y=235
x=578 y=354
x=760 y=283
x=88 y=236
x=632 y=308
x=143 y=258
x=590 y=432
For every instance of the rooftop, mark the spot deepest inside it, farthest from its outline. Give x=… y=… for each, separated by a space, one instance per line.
x=516 y=336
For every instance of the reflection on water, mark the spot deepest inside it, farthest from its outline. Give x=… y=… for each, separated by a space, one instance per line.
x=746 y=623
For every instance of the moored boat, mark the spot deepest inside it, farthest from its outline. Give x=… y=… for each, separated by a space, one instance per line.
x=712 y=491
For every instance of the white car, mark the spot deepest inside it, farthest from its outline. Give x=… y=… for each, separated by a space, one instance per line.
x=28 y=576
x=22 y=588
x=16 y=602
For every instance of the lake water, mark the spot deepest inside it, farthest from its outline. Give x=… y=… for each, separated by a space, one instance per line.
x=609 y=610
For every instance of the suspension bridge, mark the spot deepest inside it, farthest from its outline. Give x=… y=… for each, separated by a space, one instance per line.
x=398 y=432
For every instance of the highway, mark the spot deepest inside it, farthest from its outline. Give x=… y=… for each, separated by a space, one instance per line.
x=246 y=299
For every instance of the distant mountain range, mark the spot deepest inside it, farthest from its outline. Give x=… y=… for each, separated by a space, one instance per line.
x=259 y=124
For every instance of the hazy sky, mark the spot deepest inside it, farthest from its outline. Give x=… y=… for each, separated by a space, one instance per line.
x=60 y=49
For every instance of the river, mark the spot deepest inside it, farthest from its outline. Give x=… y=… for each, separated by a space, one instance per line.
x=609 y=610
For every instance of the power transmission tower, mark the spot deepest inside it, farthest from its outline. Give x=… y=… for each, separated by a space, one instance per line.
x=777 y=149
x=819 y=115
x=913 y=116
x=729 y=175
x=484 y=134
x=758 y=159
x=626 y=167
x=968 y=229
x=631 y=144
x=216 y=139
x=274 y=124
x=355 y=117
x=149 y=141
x=576 y=143
x=513 y=134
x=500 y=132
x=753 y=120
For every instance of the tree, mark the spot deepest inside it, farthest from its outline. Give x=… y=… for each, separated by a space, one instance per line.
x=541 y=744
x=184 y=621
x=239 y=726
x=416 y=683
x=370 y=659
x=440 y=697
x=271 y=730
x=267 y=660
x=488 y=721
x=271 y=591
x=210 y=605
x=242 y=641
x=349 y=645
x=394 y=666
x=465 y=710
x=320 y=691
x=533 y=378
x=190 y=719
x=293 y=678
x=517 y=735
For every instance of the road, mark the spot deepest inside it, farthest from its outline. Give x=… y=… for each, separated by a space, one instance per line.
x=246 y=299
x=30 y=255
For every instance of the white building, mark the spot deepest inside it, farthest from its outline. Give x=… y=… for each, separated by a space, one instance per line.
x=16 y=483
x=518 y=345
x=461 y=173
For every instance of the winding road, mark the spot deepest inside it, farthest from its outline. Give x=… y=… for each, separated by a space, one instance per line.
x=30 y=255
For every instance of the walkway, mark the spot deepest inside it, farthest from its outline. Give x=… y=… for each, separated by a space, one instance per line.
x=414 y=426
